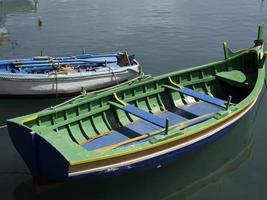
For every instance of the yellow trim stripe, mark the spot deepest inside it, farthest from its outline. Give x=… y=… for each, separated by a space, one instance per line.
x=119 y=100
x=172 y=82
x=28 y=119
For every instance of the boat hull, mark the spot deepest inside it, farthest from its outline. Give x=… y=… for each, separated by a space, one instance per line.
x=153 y=163
x=12 y=86
x=162 y=159
x=28 y=143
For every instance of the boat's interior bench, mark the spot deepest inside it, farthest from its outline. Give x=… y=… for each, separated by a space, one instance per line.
x=147 y=116
x=198 y=95
x=235 y=78
x=149 y=122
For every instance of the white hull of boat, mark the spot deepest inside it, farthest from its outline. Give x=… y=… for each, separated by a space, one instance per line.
x=64 y=84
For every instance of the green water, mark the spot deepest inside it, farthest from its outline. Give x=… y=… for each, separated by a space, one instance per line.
x=165 y=35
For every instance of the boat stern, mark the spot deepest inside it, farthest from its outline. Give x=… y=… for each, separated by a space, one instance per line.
x=44 y=161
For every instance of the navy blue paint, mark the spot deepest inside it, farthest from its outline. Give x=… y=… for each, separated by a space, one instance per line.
x=202 y=97
x=23 y=142
x=52 y=165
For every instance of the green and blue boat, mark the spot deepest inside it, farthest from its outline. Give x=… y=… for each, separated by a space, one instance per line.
x=144 y=124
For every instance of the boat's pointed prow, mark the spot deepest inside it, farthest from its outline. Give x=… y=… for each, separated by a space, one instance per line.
x=259 y=42
x=227 y=51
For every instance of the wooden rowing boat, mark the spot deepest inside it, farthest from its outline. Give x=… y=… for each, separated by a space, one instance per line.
x=142 y=125
x=43 y=75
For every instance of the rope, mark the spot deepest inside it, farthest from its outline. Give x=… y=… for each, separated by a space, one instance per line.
x=114 y=75
x=4 y=126
x=56 y=80
x=119 y=100
x=172 y=82
x=101 y=90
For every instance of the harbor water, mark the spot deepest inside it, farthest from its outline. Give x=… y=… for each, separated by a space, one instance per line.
x=165 y=36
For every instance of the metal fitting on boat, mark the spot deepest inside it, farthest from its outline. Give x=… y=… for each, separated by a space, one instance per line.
x=40 y=21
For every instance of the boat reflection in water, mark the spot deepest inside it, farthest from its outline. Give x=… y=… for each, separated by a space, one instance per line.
x=18 y=6
x=8 y=7
x=3 y=34
x=179 y=180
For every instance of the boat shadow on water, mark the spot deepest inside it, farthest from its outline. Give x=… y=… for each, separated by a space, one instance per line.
x=11 y=107
x=179 y=180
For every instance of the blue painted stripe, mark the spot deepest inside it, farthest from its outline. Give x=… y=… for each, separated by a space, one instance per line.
x=145 y=115
x=202 y=97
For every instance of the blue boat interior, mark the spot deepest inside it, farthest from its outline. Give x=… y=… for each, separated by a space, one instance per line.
x=79 y=63
x=202 y=109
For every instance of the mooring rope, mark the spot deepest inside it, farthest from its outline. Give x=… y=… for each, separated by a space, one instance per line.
x=56 y=80
x=113 y=73
x=3 y=126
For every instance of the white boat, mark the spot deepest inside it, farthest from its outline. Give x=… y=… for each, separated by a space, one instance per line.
x=45 y=75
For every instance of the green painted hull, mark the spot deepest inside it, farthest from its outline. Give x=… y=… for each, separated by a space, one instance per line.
x=53 y=141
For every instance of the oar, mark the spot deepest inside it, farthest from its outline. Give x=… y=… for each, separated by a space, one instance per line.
x=64 y=63
x=95 y=137
x=86 y=56
x=181 y=125
x=61 y=62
